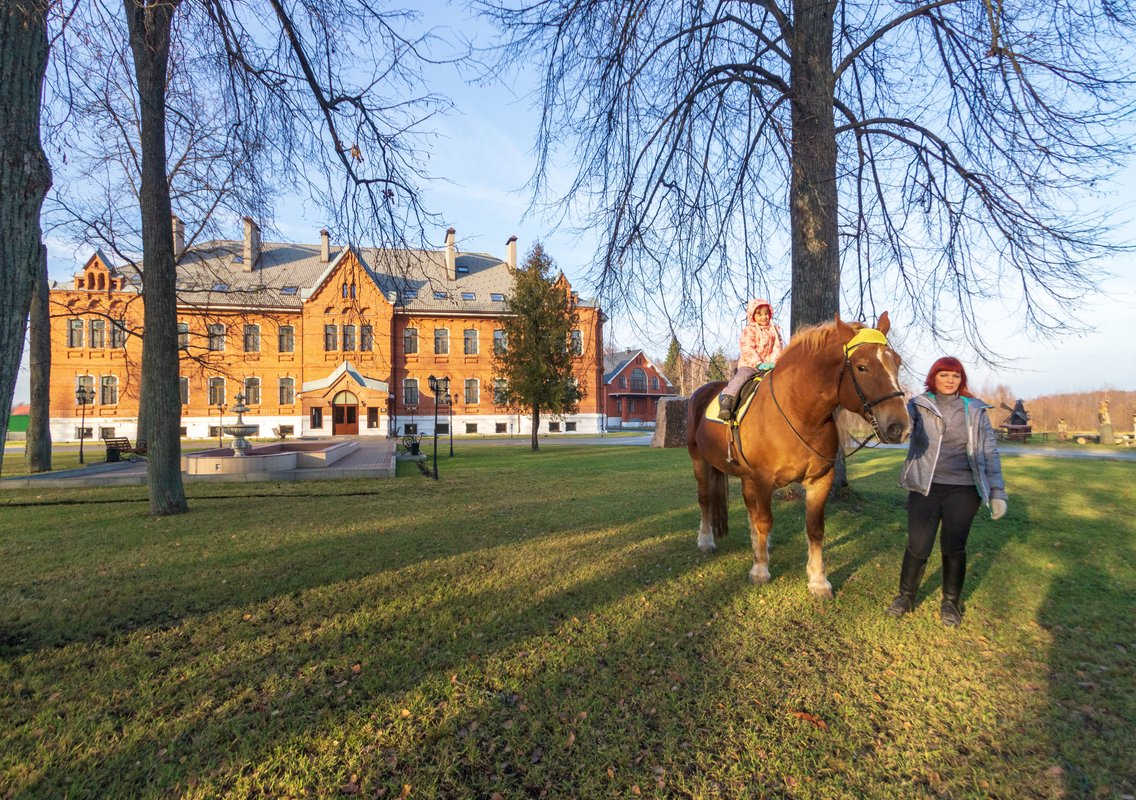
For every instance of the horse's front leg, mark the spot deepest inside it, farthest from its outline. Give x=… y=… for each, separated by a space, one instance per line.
x=816 y=495
x=758 y=498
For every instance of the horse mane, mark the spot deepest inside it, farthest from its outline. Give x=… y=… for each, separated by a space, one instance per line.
x=815 y=339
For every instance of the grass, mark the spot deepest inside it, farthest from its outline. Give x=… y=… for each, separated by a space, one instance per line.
x=544 y=625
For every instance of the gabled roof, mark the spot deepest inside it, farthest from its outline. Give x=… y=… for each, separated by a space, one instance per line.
x=213 y=273
x=615 y=363
x=344 y=368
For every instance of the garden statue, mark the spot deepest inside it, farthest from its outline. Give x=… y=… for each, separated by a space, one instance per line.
x=1062 y=429
x=1102 y=413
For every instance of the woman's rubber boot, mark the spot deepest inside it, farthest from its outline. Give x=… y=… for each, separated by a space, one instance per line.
x=954 y=571
x=726 y=407
x=910 y=576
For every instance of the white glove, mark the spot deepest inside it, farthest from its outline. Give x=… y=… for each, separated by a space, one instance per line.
x=997 y=508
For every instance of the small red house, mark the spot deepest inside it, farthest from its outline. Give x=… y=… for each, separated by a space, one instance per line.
x=632 y=388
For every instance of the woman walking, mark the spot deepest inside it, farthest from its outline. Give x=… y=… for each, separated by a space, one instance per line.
x=952 y=468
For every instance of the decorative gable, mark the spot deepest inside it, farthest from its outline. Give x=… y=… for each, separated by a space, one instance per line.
x=97 y=276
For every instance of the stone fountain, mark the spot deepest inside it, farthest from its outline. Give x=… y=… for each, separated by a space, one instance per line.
x=240 y=430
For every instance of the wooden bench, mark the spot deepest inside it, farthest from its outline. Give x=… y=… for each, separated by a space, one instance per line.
x=118 y=446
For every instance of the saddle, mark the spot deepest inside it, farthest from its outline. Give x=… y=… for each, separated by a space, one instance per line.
x=745 y=397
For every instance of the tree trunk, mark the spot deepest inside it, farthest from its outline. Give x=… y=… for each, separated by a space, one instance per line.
x=160 y=401
x=812 y=193
x=37 y=448
x=25 y=177
x=535 y=426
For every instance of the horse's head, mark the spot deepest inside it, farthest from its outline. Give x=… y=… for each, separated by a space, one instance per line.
x=869 y=382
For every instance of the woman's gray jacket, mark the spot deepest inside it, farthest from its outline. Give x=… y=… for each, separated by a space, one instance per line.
x=927 y=436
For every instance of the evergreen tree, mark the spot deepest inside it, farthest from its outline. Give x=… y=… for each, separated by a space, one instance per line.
x=536 y=362
x=719 y=367
x=672 y=367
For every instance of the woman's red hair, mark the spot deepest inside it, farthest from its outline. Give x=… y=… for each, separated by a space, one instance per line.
x=947 y=364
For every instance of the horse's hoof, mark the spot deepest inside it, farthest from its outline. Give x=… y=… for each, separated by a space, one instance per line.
x=759 y=576
x=706 y=543
x=821 y=590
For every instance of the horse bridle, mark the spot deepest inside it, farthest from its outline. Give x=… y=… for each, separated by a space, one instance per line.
x=865 y=336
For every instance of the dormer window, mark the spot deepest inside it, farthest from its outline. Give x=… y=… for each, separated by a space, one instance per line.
x=497 y=297
x=220 y=287
x=409 y=294
x=290 y=290
x=469 y=296
x=462 y=270
x=440 y=295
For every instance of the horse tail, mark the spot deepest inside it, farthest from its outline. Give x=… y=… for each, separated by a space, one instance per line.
x=719 y=503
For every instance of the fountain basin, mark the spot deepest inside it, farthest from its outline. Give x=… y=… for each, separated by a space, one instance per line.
x=280 y=457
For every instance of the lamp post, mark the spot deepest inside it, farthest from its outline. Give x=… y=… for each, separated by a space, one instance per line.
x=438 y=386
x=82 y=397
x=452 y=399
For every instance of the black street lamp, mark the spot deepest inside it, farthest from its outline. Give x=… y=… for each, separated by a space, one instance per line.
x=452 y=399
x=83 y=396
x=438 y=386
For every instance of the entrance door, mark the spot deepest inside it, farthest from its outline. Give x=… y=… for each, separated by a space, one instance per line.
x=344 y=414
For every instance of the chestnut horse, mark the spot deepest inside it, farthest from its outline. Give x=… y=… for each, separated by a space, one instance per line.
x=789 y=433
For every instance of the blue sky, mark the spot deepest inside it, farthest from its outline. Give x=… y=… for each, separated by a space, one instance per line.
x=484 y=157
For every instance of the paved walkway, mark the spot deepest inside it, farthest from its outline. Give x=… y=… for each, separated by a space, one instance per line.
x=375 y=458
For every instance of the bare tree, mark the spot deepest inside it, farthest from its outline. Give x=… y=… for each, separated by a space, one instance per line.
x=37 y=447
x=931 y=146
x=297 y=90
x=25 y=177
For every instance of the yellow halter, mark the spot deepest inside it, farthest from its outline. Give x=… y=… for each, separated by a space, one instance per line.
x=864 y=336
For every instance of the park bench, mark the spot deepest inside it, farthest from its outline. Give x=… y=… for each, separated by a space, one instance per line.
x=118 y=446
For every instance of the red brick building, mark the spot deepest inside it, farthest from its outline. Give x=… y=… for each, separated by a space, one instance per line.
x=633 y=386
x=319 y=340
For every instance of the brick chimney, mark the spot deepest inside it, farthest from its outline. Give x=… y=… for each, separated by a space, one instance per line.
x=252 y=244
x=511 y=253
x=325 y=246
x=179 y=235
x=451 y=254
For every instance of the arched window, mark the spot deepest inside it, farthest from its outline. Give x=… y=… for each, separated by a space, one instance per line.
x=252 y=391
x=638 y=380
x=345 y=398
x=216 y=391
x=108 y=390
x=287 y=391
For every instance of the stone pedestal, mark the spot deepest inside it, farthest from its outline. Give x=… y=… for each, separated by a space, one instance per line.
x=670 y=423
x=1106 y=434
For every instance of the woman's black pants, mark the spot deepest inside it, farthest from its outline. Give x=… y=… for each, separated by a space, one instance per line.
x=952 y=508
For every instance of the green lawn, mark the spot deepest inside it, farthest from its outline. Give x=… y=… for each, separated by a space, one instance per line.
x=543 y=625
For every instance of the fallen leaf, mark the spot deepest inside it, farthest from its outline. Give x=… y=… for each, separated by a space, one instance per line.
x=571 y=739
x=635 y=790
x=356 y=668
x=813 y=718
x=349 y=788
x=404 y=713
x=610 y=772
x=405 y=790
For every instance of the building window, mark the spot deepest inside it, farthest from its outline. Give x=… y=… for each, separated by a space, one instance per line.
x=500 y=386
x=216 y=337
x=287 y=339
x=330 y=338
x=366 y=338
x=622 y=382
x=98 y=333
x=439 y=295
x=372 y=417
x=654 y=383
x=497 y=297
x=470 y=340
x=216 y=391
x=348 y=337
x=108 y=390
x=410 y=392
x=183 y=335
x=499 y=342
x=443 y=427
x=638 y=380
x=74 y=333
x=287 y=430
x=317 y=418
x=82 y=433
x=570 y=427
x=87 y=384
x=344 y=291
x=577 y=343
x=630 y=405
x=287 y=391
x=410 y=341
x=118 y=333
x=106 y=433
x=618 y=404
x=352 y=291
x=252 y=338
x=471 y=427
x=501 y=427
x=554 y=427
x=410 y=429
x=441 y=341
x=472 y=391
x=469 y=296
x=183 y=389
x=252 y=391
